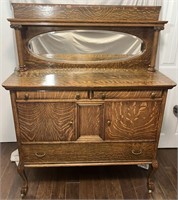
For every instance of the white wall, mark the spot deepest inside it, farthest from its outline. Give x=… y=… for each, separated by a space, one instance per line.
x=7 y=65
x=168 y=64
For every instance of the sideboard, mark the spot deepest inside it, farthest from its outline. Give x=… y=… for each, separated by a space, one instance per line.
x=86 y=91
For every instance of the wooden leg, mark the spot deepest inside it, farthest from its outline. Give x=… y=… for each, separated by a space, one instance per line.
x=21 y=172
x=152 y=169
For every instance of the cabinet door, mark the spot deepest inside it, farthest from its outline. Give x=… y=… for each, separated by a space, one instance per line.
x=90 y=121
x=44 y=121
x=129 y=120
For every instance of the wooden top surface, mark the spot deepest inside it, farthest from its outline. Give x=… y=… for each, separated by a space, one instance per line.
x=79 y=79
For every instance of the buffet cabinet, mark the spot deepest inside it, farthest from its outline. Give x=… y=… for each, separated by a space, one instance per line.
x=87 y=109
x=129 y=117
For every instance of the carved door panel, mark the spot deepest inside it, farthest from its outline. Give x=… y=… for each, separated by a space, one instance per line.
x=46 y=121
x=90 y=121
x=129 y=120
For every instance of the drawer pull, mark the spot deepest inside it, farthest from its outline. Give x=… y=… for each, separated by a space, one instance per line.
x=77 y=96
x=108 y=122
x=103 y=96
x=40 y=155
x=138 y=152
x=26 y=96
x=153 y=95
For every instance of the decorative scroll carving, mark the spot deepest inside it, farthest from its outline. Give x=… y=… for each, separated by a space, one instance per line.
x=16 y=26
x=159 y=28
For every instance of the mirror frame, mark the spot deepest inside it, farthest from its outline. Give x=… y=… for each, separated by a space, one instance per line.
x=51 y=58
x=34 y=19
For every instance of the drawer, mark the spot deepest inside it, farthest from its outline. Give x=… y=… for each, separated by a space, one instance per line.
x=127 y=94
x=44 y=94
x=73 y=153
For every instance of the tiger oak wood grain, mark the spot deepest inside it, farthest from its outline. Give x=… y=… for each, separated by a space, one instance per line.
x=86 y=12
x=87 y=79
x=43 y=94
x=93 y=115
x=87 y=152
x=88 y=114
x=132 y=120
x=46 y=121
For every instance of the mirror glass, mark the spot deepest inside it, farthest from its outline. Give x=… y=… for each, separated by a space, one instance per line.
x=84 y=46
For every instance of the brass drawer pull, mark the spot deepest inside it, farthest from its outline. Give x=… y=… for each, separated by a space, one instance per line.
x=77 y=96
x=103 y=96
x=138 y=152
x=153 y=95
x=26 y=96
x=40 y=155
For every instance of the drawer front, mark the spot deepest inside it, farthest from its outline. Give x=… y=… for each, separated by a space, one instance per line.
x=127 y=94
x=43 y=94
x=87 y=153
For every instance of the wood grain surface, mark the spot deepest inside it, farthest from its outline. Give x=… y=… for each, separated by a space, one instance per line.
x=132 y=120
x=46 y=121
x=90 y=119
x=87 y=153
x=78 y=79
x=86 y=12
x=127 y=94
x=45 y=94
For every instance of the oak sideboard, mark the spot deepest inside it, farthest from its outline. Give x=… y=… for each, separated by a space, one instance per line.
x=87 y=91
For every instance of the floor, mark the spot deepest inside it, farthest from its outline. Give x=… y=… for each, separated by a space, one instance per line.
x=116 y=182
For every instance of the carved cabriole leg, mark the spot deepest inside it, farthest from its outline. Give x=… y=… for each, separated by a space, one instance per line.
x=152 y=169
x=21 y=171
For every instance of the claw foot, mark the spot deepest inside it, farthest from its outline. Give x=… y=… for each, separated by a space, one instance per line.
x=21 y=172
x=152 y=170
x=24 y=191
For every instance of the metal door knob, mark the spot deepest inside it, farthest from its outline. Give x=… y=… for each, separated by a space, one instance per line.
x=175 y=110
x=108 y=122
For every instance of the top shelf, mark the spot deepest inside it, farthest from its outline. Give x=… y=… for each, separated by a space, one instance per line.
x=57 y=22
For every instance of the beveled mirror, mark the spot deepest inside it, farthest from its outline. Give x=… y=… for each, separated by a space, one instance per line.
x=85 y=46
